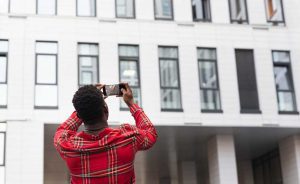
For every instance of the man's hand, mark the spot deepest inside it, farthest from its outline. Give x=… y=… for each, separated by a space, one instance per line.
x=127 y=94
x=100 y=87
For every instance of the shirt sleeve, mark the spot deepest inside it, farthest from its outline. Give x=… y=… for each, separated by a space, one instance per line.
x=66 y=130
x=147 y=135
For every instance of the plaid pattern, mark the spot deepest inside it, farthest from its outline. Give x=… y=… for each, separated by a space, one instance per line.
x=106 y=158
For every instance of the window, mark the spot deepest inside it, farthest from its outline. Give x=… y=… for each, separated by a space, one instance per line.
x=209 y=84
x=274 y=10
x=238 y=11
x=247 y=81
x=88 y=63
x=86 y=8
x=2 y=148
x=163 y=9
x=129 y=71
x=46 y=75
x=125 y=8
x=284 y=82
x=3 y=72
x=169 y=79
x=46 y=7
x=4 y=4
x=267 y=168
x=201 y=10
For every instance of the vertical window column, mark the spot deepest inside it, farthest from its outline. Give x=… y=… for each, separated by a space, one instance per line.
x=238 y=11
x=209 y=82
x=46 y=7
x=274 y=9
x=4 y=5
x=46 y=96
x=201 y=10
x=88 y=63
x=247 y=81
x=125 y=8
x=169 y=79
x=86 y=8
x=284 y=82
x=3 y=72
x=163 y=9
x=129 y=71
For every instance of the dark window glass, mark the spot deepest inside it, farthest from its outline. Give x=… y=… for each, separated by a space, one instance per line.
x=46 y=75
x=247 y=81
x=284 y=82
x=125 y=8
x=238 y=11
x=274 y=10
x=88 y=63
x=209 y=85
x=267 y=169
x=129 y=71
x=201 y=10
x=163 y=9
x=169 y=78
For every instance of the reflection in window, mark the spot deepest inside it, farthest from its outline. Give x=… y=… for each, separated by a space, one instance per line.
x=86 y=8
x=284 y=82
x=46 y=75
x=3 y=73
x=129 y=71
x=209 y=86
x=274 y=10
x=169 y=78
x=125 y=8
x=201 y=10
x=163 y=9
x=238 y=11
x=46 y=7
x=88 y=63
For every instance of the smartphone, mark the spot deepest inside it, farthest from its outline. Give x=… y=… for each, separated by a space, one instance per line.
x=114 y=89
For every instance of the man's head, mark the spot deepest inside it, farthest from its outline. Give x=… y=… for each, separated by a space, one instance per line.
x=90 y=105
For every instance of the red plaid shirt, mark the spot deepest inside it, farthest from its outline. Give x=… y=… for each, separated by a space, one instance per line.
x=106 y=158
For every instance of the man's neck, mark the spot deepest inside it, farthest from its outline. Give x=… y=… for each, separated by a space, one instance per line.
x=95 y=128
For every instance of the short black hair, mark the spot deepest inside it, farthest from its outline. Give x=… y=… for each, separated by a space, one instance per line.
x=89 y=103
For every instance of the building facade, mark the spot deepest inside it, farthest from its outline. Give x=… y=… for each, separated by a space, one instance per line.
x=219 y=78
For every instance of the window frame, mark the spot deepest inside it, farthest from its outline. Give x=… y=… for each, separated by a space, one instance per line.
x=95 y=8
x=46 y=84
x=178 y=74
x=5 y=54
x=123 y=17
x=239 y=21
x=248 y=111
x=202 y=20
x=84 y=55
x=134 y=59
x=4 y=149
x=267 y=16
x=217 y=75
x=37 y=8
x=160 y=18
x=288 y=65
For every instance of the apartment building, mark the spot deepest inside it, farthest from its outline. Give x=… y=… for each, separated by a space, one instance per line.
x=220 y=80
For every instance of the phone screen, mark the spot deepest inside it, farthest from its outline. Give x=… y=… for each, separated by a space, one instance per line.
x=111 y=90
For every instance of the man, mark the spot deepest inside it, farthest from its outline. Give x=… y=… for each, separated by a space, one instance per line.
x=100 y=154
